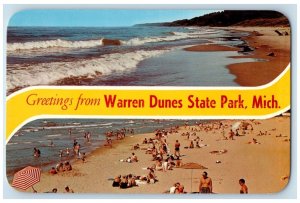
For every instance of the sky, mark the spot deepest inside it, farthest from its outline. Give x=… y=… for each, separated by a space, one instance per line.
x=99 y=18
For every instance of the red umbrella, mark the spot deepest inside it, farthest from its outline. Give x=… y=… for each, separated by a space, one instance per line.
x=26 y=178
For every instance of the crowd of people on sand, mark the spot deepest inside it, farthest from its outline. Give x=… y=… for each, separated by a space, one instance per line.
x=164 y=158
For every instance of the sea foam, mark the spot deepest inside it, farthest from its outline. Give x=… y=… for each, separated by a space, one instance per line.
x=49 y=73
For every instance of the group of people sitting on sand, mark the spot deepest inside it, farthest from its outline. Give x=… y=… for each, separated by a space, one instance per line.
x=61 y=167
x=125 y=181
x=130 y=180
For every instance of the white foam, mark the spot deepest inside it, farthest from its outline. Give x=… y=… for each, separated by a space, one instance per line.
x=58 y=43
x=48 y=73
x=54 y=135
x=12 y=143
x=175 y=36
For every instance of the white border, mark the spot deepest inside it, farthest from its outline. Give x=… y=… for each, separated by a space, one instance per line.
x=290 y=194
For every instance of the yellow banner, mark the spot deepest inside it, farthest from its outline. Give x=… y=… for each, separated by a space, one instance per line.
x=234 y=102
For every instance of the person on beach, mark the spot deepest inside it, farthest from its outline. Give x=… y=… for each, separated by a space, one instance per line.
x=244 y=188
x=191 y=144
x=223 y=133
x=145 y=141
x=60 y=153
x=53 y=171
x=205 y=185
x=59 y=167
x=158 y=165
x=67 y=151
x=108 y=142
x=177 y=148
x=131 y=181
x=77 y=149
x=231 y=134
x=181 y=189
x=117 y=181
x=88 y=137
x=133 y=158
x=67 y=166
x=151 y=178
x=36 y=152
x=51 y=143
x=68 y=190
x=124 y=182
x=174 y=188
x=70 y=131
x=54 y=190
x=83 y=157
x=136 y=146
x=254 y=141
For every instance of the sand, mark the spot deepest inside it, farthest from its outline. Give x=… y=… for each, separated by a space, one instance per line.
x=265 y=41
x=211 y=47
x=262 y=165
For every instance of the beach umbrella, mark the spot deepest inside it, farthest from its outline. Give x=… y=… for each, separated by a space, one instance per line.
x=192 y=166
x=27 y=177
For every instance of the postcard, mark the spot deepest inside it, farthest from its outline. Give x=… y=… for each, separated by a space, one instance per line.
x=115 y=101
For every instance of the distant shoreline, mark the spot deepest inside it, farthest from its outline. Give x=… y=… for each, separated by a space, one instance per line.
x=274 y=50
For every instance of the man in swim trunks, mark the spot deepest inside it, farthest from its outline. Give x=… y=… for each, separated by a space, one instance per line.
x=177 y=149
x=205 y=184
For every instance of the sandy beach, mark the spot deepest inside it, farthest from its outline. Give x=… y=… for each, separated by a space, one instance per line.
x=272 y=48
x=264 y=166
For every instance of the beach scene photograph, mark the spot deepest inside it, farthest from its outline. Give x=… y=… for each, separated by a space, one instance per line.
x=145 y=48
x=146 y=156
x=148 y=48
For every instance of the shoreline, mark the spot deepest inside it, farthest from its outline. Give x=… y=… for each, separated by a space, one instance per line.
x=103 y=164
x=268 y=46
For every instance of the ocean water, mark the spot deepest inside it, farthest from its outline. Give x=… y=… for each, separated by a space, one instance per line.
x=40 y=133
x=77 y=56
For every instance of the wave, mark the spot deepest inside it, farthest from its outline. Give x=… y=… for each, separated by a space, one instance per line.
x=105 y=124
x=12 y=143
x=60 y=43
x=57 y=43
x=172 y=37
x=54 y=135
x=48 y=73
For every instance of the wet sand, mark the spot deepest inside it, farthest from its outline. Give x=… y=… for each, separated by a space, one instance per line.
x=211 y=47
x=274 y=50
x=265 y=166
